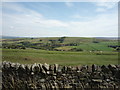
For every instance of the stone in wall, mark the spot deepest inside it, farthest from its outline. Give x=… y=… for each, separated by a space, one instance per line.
x=17 y=76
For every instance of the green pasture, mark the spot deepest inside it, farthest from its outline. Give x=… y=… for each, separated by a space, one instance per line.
x=89 y=46
x=30 y=56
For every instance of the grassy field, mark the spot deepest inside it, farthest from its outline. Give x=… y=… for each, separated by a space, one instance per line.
x=30 y=56
x=101 y=53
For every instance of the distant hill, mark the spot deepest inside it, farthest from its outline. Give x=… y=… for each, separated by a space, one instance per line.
x=8 y=37
x=13 y=37
x=109 y=38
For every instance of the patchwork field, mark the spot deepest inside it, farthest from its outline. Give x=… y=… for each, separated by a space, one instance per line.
x=61 y=50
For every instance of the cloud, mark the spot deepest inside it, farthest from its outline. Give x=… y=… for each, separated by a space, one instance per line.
x=101 y=25
x=0 y=18
x=100 y=9
x=69 y=4
x=29 y=17
x=32 y=23
x=77 y=16
x=107 y=5
x=51 y=23
x=11 y=27
x=104 y=6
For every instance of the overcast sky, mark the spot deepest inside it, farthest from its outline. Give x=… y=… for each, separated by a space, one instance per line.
x=54 y=19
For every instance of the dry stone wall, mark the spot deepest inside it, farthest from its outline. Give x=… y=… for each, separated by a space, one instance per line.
x=16 y=76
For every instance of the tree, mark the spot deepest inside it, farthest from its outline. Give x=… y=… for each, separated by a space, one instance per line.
x=61 y=40
x=95 y=41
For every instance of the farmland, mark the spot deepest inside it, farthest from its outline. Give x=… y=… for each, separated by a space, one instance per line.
x=65 y=51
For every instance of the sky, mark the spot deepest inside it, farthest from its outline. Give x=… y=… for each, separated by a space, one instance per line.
x=57 y=19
